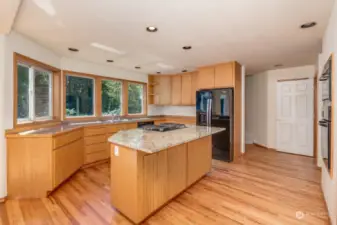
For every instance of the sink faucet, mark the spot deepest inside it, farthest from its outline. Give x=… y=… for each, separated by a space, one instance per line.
x=115 y=117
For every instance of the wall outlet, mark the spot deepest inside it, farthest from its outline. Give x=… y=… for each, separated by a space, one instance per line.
x=116 y=151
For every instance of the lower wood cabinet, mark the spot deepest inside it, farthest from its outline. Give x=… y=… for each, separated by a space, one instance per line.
x=66 y=161
x=36 y=167
x=176 y=169
x=199 y=161
x=141 y=183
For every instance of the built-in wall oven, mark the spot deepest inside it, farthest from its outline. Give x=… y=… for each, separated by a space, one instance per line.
x=325 y=121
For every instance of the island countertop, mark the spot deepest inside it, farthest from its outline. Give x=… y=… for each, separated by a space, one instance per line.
x=154 y=141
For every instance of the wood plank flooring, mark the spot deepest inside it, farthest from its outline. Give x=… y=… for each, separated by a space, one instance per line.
x=265 y=187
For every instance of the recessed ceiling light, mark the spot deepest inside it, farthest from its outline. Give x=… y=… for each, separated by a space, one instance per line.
x=151 y=29
x=187 y=47
x=158 y=73
x=184 y=71
x=107 y=48
x=137 y=67
x=109 y=60
x=308 y=25
x=278 y=65
x=73 y=49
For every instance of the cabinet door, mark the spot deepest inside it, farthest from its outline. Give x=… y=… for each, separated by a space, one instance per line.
x=206 y=78
x=194 y=87
x=186 y=89
x=224 y=76
x=66 y=161
x=176 y=90
x=199 y=159
x=155 y=182
x=164 y=90
x=176 y=169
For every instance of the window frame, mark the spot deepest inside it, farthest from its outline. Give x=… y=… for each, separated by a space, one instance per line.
x=54 y=95
x=73 y=74
x=98 y=96
x=144 y=99
x=122 y=97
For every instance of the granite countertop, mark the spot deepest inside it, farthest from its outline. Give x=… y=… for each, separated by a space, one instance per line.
x=153 y=141
x=74 y=125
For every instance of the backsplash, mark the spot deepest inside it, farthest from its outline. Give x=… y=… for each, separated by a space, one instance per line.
x=154 y=110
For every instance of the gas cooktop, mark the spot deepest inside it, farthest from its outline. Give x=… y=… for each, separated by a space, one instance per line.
x=164 y=127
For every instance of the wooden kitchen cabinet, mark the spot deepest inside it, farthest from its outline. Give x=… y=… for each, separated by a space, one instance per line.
x=66 y=161
x=224 y=76
x=199 y=159
x=163 y=91
x=141 y=183
x=176 y=158
x=206 y=78
x=194 y=87
x=176 y=90
x=186 y=89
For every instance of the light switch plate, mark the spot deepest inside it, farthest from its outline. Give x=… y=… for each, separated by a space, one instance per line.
x=116 y=151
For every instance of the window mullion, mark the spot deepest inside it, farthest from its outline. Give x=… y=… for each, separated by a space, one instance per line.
x=51 y=100
x=31 y=94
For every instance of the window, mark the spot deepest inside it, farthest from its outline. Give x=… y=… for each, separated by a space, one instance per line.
x=34 y=94
x=135 y=98
x=111 y=97
x=79 y=96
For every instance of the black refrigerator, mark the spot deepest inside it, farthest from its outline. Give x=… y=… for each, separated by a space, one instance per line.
x=214 y=107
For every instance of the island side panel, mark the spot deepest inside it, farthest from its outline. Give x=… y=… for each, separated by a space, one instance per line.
x=199 y=159
x=124 y=182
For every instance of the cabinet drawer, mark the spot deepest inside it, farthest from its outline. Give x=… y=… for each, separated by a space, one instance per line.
x=96 y=147
x=66 y=161
x=95 y=139
x=115 y=128
x=131 y=125
x=94 y=131
x=66 y=138
x=97 y=156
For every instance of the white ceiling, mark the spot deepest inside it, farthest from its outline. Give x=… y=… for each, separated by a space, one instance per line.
x=8 y=10
x=257 y=33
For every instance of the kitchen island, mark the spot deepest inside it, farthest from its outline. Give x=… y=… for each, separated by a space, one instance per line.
x=149 y=168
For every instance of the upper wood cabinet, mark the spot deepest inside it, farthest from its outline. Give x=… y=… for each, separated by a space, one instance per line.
x=224 y=76
x=206 y=78
x=217 y=76
x=186 y=89
x=176 y=90
x=163 y=91
x=194 y=86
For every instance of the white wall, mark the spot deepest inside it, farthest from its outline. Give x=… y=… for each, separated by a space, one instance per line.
x=101 y=70
x=329 y=186
x=15 y=42
x=2 y=121
x=256 y=108
x=155 y=110
x=261 y=102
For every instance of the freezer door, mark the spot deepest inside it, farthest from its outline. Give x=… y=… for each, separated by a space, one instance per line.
x=222 y=106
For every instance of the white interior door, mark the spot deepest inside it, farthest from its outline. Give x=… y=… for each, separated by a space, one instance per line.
x=294 y=125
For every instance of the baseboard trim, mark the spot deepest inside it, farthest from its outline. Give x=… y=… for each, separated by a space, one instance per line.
x=95 y=163
x=260 y=145
x=2 y=200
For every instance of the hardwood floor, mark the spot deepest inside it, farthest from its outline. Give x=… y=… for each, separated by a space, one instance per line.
x=265 y=187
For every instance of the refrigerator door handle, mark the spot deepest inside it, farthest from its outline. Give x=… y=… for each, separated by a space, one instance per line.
x=209 y=112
